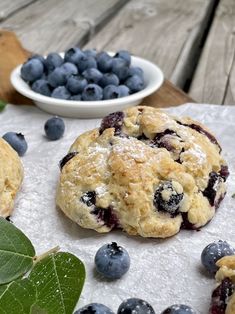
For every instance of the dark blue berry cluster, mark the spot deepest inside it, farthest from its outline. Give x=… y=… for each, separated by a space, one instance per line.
x=83 y=75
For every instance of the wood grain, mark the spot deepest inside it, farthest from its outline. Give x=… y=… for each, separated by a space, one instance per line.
x=54 y=25
x=163 y=31
x=8 y=8
x=214 y=80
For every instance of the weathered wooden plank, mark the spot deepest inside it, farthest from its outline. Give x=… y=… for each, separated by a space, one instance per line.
x=54 y=25
x=158 y=30
x=214 y=80
x=10 y=7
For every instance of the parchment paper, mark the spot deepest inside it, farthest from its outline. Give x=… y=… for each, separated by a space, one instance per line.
x=162 y=272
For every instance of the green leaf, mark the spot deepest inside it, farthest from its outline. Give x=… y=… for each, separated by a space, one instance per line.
x=17 y=297
x=59 y=279
x=16 y=252
x=2 y=104
x=35 y=309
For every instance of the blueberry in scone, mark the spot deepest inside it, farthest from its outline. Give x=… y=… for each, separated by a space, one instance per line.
x=223 y=297
x=144 y=171
x=11 y=176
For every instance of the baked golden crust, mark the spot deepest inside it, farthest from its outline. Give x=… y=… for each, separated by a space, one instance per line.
x=11 y=176
x=125 y=169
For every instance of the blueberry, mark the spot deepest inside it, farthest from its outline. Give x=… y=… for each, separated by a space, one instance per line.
x=92 y=92
x=73 y=55
x=88 y=198
x=120 y=68
x=113 y=120
x=76 y=97
x=92 y=75
x=104 y=61
x=32 y=70
x=179 y=309
x=54 y=128
x=76 y=84
x=57 y=77
x=109 y=79
x=136 y=71
x=111 y=92
x=213 y=252
x=123 y=91
x=86 y=63
x=94 y=308
x=40 y=58
x=125 y=55
x=220 y=296
x=42 y=87
x=61 y=92
x=210 y=191
x=107 y=216
x=112 y=261
x=135 y=83
x=67 y=158
x=17 y=142
x=90 y=53
x=69 y=69
x=167 y=198
x=135 y=306
x=53 y=60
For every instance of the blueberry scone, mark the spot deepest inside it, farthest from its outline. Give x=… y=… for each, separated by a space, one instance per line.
x=223 y=297
x=145 y=172
x=11 y=175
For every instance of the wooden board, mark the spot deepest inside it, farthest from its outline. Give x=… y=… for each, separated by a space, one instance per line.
x=10 y=47
x=8 y=8
x=214 y=80
x=54 y=25
x=167 y=32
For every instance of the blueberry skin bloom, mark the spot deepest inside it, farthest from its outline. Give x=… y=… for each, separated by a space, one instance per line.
x=125 y=55
x=53 y=61
x=92 y=92
x=111 y=92
x=179 y=309
x=61 y=92
x=112 y=261
x=42 y=87
x=135 y=83
x=73 y=55
x=17 y=142
x=54 y=128
x=76 y=84
x=32 y=70
x=213 y=252
x=135 y=306
x=96 y=308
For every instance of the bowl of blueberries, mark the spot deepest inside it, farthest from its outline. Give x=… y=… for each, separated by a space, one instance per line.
x=86 y=84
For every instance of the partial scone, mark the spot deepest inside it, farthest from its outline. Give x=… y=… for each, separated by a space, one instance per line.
x=223 y=297
x=11 y=176
x=145 y=172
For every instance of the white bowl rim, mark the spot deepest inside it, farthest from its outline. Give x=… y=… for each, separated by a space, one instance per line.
x=28 y=92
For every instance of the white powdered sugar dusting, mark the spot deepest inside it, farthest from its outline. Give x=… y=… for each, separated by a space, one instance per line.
x=162 y=272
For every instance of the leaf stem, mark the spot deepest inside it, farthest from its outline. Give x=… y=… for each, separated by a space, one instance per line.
x=42 y=256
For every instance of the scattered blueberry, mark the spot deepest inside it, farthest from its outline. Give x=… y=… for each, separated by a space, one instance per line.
x=123 y=91
x=69 y=68
x=61 y=92
x=94 y=308
x=76 y=97
x=135 y=306
x=213 y=252
x=76 y=84
x=120 y=68
x=112 y=261
x=109 y=79
x=90 y=53
x=57 y=77
x=32 y=70
x=17 y=142
x=179 y=309
x=104 y=61
x=42 y=87
x=67 y=158
x=73 y=55
x=111 y=92
x=125 y=55
x=136 y=71
x=167 y=199
x=53 y=60
x=113 y=120
x=92 y=92
x=54 y=128
x=86 y=63
x=92 y=75
x=135 y=83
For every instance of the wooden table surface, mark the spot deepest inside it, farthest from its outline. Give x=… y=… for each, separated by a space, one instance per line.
x=193 y=43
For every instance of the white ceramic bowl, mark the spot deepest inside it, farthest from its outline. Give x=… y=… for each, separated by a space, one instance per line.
x=153 y=77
